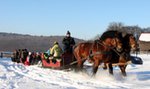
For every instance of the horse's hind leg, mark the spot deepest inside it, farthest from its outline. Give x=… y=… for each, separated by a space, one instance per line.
x=122 y=68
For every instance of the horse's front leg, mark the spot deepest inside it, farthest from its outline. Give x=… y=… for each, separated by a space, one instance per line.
x=110 y=68
x=95 y=66
x=105 y=66
x=122 y=68
x=80 y=65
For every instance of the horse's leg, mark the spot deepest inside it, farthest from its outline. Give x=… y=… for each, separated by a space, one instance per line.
x=94 y=70
x=110 y=68
x=122 y=68
x=95 y=66
x=105 y=66
x=80 y=65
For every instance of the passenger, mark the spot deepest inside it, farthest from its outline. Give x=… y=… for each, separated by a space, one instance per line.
x=28 y=59
x=68 y=43
x=56 y=52
x=38 y=58
x=1 y=54
x=15 y=56
x=24 y=55
x=46 y=56
x=48 y=51
x=32 y=58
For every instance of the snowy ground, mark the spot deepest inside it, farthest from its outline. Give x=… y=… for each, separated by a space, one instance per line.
x=18 y=76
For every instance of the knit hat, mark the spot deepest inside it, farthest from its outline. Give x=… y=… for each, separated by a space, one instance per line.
x=68 y=32
x=55 y=42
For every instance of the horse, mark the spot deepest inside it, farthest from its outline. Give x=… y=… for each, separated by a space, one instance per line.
x=98 y=51
x=129 y=43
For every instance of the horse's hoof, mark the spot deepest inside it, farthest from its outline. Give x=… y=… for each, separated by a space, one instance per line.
x=111 y=73
x=93 y=75
x=124 y=75
x=104 y=68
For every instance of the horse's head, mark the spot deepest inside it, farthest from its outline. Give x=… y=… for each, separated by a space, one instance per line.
x=113 y=43
x=131 y=40
x=133 y=43
x=113 y=39
x=118 y=41
x=118 y=44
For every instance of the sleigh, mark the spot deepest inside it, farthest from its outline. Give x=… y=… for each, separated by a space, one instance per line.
x=62 y=63
x=136 y=60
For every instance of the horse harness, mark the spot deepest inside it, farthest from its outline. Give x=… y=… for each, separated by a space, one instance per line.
x=91 y=54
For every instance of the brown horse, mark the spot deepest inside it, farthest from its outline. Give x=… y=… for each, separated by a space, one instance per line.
x=98 y=51
x=129 y=43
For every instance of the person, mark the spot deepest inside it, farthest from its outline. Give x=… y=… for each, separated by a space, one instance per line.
x=32 y=58
x=37 y=58
x=48 y=51
x=68 y=43
x=24 y=55
x=15 y=57
x=46 y=55
x=28 y=59
x=56 y=52
x=1 y=54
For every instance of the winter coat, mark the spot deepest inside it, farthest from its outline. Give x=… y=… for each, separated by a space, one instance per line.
x=48 y=51
x=68 y=43
x=56 y=51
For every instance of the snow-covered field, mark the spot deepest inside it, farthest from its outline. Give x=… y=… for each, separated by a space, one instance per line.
x=18 y=76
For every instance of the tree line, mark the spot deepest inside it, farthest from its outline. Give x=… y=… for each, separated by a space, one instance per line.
x=135 y=30
x=119 y=26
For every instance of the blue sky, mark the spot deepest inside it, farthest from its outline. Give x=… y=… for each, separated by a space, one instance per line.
x=83 y=18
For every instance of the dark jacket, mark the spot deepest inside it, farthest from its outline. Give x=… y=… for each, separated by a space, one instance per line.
x=68 y=43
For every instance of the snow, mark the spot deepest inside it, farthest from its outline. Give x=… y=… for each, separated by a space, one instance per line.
x=145 y=37
x=18 y=76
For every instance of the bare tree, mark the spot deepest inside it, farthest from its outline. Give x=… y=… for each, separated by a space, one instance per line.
x=115 y=26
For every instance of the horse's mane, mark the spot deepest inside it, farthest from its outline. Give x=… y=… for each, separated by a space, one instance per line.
x=89 y=41
x=109 y=34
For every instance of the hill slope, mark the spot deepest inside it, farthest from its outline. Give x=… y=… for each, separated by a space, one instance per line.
x=11 y=41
